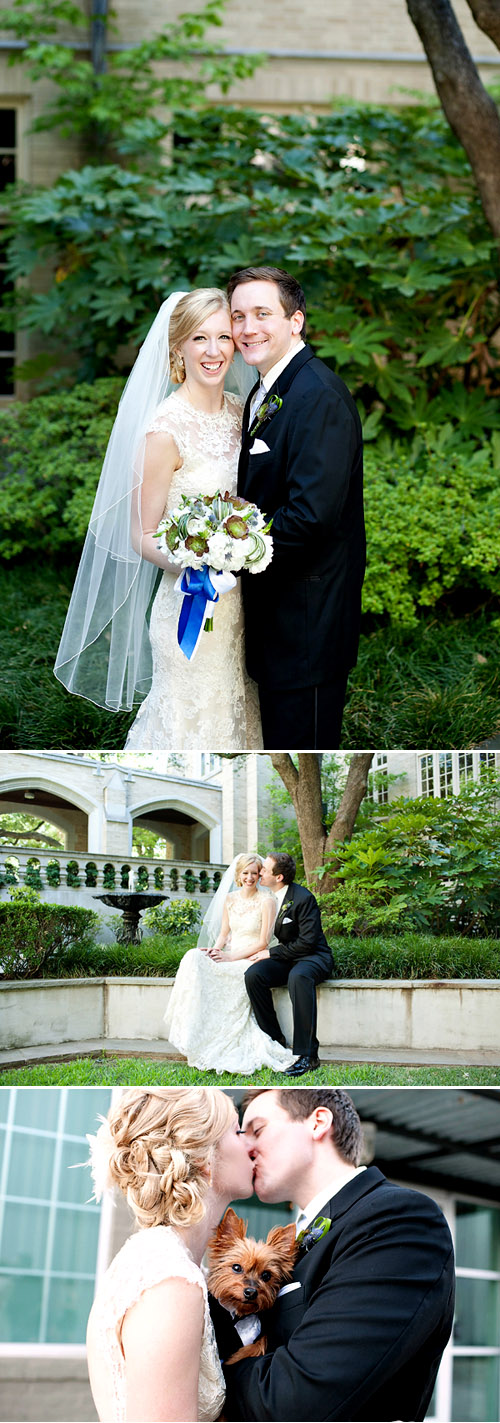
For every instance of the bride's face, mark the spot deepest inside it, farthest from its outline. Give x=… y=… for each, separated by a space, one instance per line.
x=249 y=878
x=232 y=1167
x=209 y=351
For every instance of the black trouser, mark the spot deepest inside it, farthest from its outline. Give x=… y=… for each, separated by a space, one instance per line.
x=301 y=975
x=304 y=719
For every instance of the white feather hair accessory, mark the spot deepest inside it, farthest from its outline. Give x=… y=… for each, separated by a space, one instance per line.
x=101 y=1147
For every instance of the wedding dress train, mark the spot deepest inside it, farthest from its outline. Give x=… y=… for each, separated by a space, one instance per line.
x=209 y=1018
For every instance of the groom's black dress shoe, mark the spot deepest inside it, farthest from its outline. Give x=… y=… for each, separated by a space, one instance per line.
x=303 y=1064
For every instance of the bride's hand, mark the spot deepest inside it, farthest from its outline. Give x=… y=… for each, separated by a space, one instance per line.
x=263 y=954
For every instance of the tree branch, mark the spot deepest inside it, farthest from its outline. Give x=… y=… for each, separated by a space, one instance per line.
x=354 y=793
x=487 y=16
x=471 y=113
x=283 y=764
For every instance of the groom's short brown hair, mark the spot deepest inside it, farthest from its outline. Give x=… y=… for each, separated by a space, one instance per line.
x=291 y=294
x=283 y=865
x=299 y=1102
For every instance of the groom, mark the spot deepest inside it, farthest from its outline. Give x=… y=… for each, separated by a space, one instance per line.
x=301 y=958
x=301 y=462
x=360 y=1330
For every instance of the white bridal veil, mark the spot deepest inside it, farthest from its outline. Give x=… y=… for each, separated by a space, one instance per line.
x=105 y=653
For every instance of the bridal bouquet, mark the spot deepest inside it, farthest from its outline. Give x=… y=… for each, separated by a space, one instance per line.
x=211 y=537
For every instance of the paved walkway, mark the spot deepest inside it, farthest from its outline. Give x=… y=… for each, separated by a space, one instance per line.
x=164 y=1051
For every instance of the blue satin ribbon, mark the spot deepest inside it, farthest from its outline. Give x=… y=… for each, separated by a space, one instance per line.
x=198 y=590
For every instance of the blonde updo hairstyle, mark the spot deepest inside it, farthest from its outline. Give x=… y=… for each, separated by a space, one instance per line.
x=243 y=863
x=163 y=1137
x=191 y=311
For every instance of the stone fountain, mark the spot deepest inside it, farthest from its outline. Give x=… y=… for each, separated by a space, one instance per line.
x=131 y=902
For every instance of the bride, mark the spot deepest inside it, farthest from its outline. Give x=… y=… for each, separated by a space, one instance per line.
x=177 y=1155
x=163 y=445
x=209 y=1017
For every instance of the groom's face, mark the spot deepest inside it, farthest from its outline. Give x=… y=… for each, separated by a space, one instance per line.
x=261 y=331
x=281 y=1149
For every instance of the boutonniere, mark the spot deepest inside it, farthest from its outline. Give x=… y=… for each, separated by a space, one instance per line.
x=307 y=1238
x=265 y=413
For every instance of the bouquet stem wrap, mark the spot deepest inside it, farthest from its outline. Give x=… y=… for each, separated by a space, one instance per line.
x=201 y=587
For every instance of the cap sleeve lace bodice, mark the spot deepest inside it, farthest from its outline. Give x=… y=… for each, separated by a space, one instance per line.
x=209 y=701
x=146 y=1259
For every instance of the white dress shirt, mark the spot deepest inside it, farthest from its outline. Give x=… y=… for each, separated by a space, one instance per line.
x=270 y=377
x=314 y=1207
x=279 y=895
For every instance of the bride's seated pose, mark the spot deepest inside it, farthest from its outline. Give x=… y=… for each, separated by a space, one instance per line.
x=209 y=1018
x=177 y=1156
x=177 y=432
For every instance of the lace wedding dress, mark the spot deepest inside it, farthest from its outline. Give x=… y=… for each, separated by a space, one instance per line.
x=146 y=1260
x=209 y=701
x=209 y=1018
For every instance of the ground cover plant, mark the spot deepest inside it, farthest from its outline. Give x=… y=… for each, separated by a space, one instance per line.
x=436 y=684
x=117 y=1070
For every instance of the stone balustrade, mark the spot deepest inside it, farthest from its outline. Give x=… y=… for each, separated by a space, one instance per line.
x=47 y=870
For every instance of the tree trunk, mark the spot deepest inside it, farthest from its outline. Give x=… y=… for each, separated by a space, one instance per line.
x=304 y=787
x=487 y=16
x=470 y=111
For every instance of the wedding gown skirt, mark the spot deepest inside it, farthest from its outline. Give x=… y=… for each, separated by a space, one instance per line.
x=209 y=1017
x=146 y=1259
x=209 y=701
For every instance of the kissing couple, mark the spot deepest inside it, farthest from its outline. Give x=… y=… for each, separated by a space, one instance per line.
x=358 y=1330
x=273 y=671
x=260 y=932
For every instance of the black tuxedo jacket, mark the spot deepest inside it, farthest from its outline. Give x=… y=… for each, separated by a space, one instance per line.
x=298 y=928
x=302 y=613
x=362 y=1336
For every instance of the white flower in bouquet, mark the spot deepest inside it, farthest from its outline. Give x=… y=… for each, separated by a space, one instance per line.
x=220 y=550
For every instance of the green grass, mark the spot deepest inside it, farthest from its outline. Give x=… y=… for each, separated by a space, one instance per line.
x=128 y=1071
x=436 y=685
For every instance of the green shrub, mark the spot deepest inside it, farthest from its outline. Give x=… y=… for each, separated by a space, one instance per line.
x=428 y=864
x=51 y=452
x=53 y=873
x=175 y=918
x=31 y=932
x=432 y=517
x=415 y=956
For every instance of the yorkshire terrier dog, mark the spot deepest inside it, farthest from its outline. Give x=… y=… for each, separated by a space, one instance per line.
x=245 y=1275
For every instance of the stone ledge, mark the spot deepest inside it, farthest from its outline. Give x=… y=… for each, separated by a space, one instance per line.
x=362 y=1017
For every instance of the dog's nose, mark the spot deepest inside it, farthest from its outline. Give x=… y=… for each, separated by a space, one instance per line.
x=250 y=1292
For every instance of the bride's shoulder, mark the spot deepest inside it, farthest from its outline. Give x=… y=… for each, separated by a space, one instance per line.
x=234 y=403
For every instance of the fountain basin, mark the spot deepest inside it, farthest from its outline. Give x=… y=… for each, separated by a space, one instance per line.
x=131 y=903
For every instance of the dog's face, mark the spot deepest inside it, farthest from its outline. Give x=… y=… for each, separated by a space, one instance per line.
x=244 y=1274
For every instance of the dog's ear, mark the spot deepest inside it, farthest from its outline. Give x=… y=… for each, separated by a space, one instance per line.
x=282 y=1239
x=231 y=1226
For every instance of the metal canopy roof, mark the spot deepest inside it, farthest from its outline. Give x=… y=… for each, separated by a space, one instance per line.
x=448 y=1137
